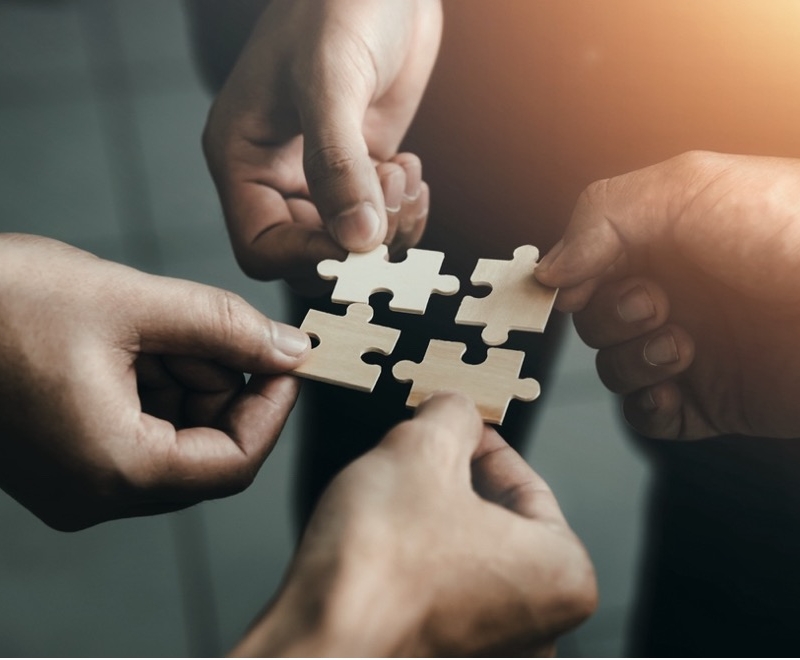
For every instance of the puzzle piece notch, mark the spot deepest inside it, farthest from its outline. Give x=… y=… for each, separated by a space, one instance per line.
x=490 y=384
x=342 y=342
x=517 y=300
x=410 y=281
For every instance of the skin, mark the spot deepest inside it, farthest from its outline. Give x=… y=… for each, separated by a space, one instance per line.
x=440 y=541
x=299 y=184
x=123 y=394
x=684 y=276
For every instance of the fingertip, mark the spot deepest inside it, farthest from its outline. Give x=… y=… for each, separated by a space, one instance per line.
x=412 y=166
x=547 y=269
x=359 y=228
x=443 y=405
x=453 y=411
x=393 y=184
x=655 y=411
x=292 y=342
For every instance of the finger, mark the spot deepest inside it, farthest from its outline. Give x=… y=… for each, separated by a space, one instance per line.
x=207 y=389
x=444 y=433
x=501 y=475
x=204 y=376
x=184 y=318
x=341 y=177
x=656 y=412
x=612 y=220
x=621 y=311
x=412 y=220
x=277 y=249
x=203 y=462
x=159 y=394
x=646 y=360
x=275 y=232
x=413 y=214
x=393 y=183
x=412 y=166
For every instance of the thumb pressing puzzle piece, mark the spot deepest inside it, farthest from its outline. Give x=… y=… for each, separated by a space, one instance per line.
x=517 y=300
x=342 y=342
x=411 y=281
x=491 y=384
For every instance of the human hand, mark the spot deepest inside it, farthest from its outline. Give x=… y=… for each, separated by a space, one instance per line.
x=302 y=140
x=123 y=394
x=440 y=541
x=686 y=273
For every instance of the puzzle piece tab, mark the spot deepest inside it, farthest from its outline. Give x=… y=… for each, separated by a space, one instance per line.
x=491 y=384
x=410 y=281
x=342 y=342
x=517 y=300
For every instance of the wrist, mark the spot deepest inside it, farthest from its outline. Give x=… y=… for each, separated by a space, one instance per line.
x=354 y=607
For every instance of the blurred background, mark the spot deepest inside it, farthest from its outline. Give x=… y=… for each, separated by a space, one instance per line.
x=101 y=111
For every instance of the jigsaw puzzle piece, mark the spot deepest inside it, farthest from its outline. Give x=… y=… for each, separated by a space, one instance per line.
x=517 y=300
x=342 y=342
x=411 y=282
x=491 y=384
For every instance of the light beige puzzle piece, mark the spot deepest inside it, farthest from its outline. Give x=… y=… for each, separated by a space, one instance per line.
x=410 y=281
x=491 y=384
x=516 y=302
x=342 y=342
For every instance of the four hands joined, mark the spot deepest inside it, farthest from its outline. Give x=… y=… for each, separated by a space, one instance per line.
x=126 y=394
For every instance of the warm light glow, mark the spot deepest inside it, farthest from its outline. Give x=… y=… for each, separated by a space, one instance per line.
x=533 y=99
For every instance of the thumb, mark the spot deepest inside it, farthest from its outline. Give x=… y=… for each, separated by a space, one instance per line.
x=185 y=318
x=614 y=220
x=443 y=435
x=341 y=176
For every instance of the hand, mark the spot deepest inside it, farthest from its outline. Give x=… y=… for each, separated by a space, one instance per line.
x=687 y=275
x=122 y=394
x=321 y=93
x=440 y=541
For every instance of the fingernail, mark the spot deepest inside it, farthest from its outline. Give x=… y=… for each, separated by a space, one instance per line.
x=413 y=181
x=661 y=350
x=550 y=258
x=636 y=305
x=289 y=340
x=393 y=191
x=358 y=227
x=647 y=402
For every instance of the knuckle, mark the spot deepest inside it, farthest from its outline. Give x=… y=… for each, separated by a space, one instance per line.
x=595 y=194
x=695 y=159
x=230 y=311
x=579 y=587
x=329 y=165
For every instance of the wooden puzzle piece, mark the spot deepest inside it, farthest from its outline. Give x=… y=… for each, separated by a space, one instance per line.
x=491 y=384
x=342 y=342
x=517 y=300
x=410 y=281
